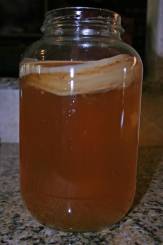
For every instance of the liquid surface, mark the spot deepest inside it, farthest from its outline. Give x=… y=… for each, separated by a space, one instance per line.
x=69 y=78
x=78 y=147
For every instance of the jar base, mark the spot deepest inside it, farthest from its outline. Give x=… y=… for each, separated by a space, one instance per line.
x=71 y=215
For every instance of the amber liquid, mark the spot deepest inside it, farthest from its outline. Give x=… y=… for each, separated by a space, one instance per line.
x=78 y=155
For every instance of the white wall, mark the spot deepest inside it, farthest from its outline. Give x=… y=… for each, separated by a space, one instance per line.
x=9 y=115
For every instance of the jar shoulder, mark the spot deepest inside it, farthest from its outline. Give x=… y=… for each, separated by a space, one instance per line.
x=81 y=49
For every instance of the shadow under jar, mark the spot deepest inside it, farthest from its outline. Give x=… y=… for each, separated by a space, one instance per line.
x=80 y=91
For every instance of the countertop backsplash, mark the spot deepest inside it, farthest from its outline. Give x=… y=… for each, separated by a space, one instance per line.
x=9 y=110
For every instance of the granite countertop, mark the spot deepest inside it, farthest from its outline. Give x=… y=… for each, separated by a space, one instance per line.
x=142 y=226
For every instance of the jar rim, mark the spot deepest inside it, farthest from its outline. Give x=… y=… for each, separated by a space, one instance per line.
x=100 y=16
x=101 y=10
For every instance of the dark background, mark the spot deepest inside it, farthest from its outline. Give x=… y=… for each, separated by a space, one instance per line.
x=20 y=22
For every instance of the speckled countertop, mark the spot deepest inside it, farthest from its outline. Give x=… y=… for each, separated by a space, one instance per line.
x=142 y=226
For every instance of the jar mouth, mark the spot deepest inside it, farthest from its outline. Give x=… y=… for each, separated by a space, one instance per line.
x=75 y=17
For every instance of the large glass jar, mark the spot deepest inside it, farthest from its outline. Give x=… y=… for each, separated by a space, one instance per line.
x=80 y=91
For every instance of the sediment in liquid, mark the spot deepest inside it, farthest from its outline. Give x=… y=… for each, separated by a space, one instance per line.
x=76 y=77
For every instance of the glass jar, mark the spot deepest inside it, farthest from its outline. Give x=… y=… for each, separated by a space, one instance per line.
x=80 y=91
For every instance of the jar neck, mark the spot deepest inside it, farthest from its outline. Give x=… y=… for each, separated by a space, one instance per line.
x=80 y=22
